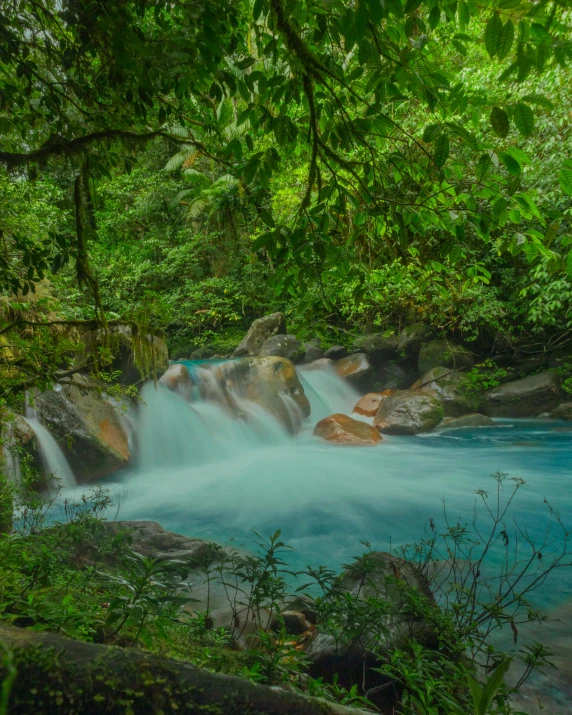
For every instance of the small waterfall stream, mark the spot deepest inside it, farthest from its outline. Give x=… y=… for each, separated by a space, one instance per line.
x=53 y=459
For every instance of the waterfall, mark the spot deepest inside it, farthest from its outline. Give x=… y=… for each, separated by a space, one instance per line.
x=328 y=392
x=10 y=456
x=53 y=459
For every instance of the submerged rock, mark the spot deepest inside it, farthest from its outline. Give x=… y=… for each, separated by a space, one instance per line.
x=524 y=398
x=178 y=379
x=412 y=338
x=342 y=429
x=271 y=382
x=444 y=353
x=87 y=426
x=285 y=346
x=355 y=368
x=377 y=346
x=259 y=331
x=562 y=412
x=473 y=420
x=369 y=404
x=448 y=386
x=408 y=412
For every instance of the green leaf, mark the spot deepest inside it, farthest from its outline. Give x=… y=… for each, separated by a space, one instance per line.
x=431 y=132
x=499 y=122
x=476 y=692
x=569 y=264
x=505 y=40
x=266 y=216
x=493 y=31
x=519 y=155
x=281 y=130
x=492 y=685
x=539 y=99
x=565 y=179
x=524 y=119
x=441 y=151
x=511 y=164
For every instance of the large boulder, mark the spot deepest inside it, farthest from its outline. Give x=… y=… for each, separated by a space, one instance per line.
x=473 y=420
x=137 y=357
x=313 y=351
x=149 y=538
x=336 y=352
x=285 y=346
x=178 y=379
x=524 y=398
x=449 y=387
x=369 y=404
x=378 y=347
x=87 y=426
x=444 y=353
x=259 y=331
x=342 y=429
x=562 y=412
x=412 y=338
x=271 y=382
x=408 y=412
x=355 y=368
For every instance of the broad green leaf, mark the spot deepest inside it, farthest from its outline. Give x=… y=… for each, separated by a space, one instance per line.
x=431 y=132
x=569 y=264
x=524 y=119
x=505 y=40
x=493 y=32
x=491 y=686
x=519 y=155
x=539 y=99
x=499 y=122
x=263 y=241
x=565 y=179
x=511 y=164
x=441 y=151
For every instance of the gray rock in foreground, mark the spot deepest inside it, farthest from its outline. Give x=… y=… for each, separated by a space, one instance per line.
x=408 y=412
x=524 y=398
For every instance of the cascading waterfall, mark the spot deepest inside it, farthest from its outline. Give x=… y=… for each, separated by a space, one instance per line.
x=53 y=459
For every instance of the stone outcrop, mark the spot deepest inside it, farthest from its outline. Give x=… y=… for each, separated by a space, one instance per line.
x=378 y=347
x=341 y=429
x=355 y=368
x=148 y=538
x=408 y=412
x=178 y=379
x=137 y=357
x=259 y=331
x=444 y=353
x=562 y=412
x=285 y=346
x=448 y=386
x=412 y=338
x=271 y=382
x=313 y=351
x=336 y=352
x=473 y=420
x=87 y=426
x=524 y=398
x=369 y=404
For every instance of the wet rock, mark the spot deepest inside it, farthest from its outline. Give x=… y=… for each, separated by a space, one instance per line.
x=444 y=353
x=355 y=368
x=313 y=351
x=87 y=426
x=448 y=386
x=293 y=622
x=285 y=346
x=271 y=382
x=412 y=338
x=377 y=346
x=321 y=364
x=341 y=429
x=524 y=398
x=150 y=539
x=369 y=404
x=393 y=376
x=178 y=379
x=562 y=412
x=336 y=352
x=259 y=331
x=473 y=420
x=408 y=412
x=136 y=357
x=303 y=604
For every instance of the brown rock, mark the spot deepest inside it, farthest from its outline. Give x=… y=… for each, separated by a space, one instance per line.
x=342 y=429
x=355 y=368
x=178 y=379
x=369 y=404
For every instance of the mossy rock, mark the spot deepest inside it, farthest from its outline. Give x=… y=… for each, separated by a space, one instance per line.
x=444 y=353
